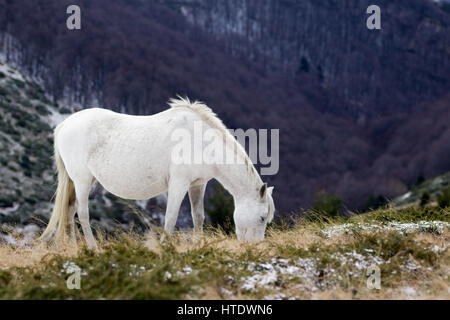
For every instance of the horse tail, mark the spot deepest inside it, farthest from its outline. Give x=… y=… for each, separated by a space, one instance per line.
x=65 y=196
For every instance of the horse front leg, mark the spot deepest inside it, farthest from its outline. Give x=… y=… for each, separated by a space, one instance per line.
x=196 y=194
x=176 y=192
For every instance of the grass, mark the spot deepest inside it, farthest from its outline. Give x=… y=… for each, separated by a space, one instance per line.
x=300 y=262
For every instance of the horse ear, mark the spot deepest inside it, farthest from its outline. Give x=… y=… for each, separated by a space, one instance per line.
x=263 y=190
x=270 y=190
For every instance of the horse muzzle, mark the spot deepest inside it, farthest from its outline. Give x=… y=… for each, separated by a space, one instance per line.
x=250 y=234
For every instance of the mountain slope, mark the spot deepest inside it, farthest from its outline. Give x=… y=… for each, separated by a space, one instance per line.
x=27 y=173
x=433 y=187
x=133 y=55
x=373 y=72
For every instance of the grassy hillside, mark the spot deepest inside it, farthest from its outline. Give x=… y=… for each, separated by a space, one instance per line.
x=313 y=260
x=27 y=174
x=433 y=187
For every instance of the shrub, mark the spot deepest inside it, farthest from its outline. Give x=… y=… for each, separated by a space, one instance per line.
x=42 y=110
x=25 y=162
x=443 y=198
x=329 y=205
x=420 y=179
x=19 y=83
x=221 y=209
x=304 y=65
x=3 y=92
x=7 y=200
x=425 y=199
x=374 y=203
x=64 y=111
x=26 y=103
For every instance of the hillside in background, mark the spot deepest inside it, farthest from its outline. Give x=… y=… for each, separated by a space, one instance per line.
x=326 y=44
x=360 y=112
x=433 y=187
x=27 y=173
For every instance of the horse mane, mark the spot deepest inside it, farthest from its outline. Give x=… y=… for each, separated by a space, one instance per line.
x=211 y=118
x=202 y=110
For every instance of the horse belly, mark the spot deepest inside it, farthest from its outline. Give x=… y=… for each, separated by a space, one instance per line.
x=129 y=174
x=131 y=186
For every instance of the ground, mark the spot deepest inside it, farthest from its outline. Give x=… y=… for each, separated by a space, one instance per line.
x=313 y=259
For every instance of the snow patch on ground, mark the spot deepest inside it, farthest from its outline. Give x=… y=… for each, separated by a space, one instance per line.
x=56 y=118
x=311 y=275
x=404 y=228
x=11 y=73
x=12 y=209
x=269 y=274
x=23 y=236
x=405 y=196
x=409 y=292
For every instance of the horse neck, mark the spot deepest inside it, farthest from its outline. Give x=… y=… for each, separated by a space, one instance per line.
x=239 y=180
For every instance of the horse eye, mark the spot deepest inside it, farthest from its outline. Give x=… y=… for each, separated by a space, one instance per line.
x=262 y=219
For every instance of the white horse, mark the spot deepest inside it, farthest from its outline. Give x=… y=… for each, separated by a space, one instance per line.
x=133 y=158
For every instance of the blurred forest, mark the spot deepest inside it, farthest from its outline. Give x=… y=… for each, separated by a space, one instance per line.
x=362 y=114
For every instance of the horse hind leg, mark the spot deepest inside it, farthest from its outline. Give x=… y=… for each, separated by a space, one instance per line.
x=71 y=222
x=196 y=194
x=82 y=190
